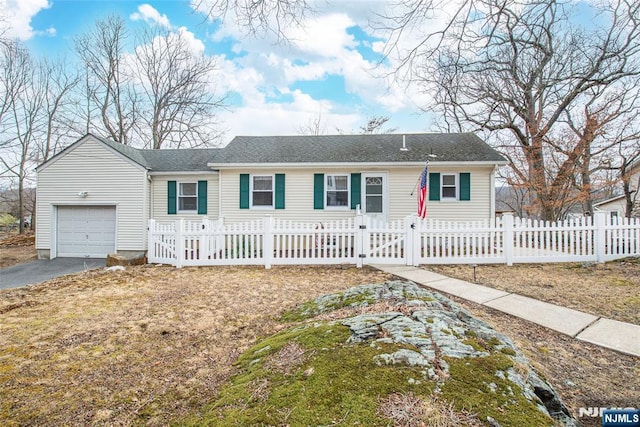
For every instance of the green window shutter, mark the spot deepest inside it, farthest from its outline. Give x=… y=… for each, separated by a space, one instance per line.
x=279 y=191
x=356 y=179
x=172 y=197
x=202 y=197
x=434 y=186
x=318 y=191
x=465 y=186
x=244 y=191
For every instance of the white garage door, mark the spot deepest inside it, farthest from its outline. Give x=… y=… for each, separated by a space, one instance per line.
x=86 y=231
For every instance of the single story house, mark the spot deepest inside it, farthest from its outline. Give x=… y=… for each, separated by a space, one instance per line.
x=617 y=206
x=613 y=206
x=96 y=196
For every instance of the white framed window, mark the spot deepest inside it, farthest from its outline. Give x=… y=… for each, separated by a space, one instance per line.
x=449 y=186
x=337 y=191
x=187 y=197
x=262 y=194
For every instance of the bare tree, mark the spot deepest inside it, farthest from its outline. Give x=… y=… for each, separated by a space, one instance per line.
x=176 y=82
x=109 y=85
x=34 y=126
x=257 y=16
x=58 y=84
x=607 y=124
x=630 y=177
x=513 y=70
x=315 y=126
x=20 y=126
x=375 y=124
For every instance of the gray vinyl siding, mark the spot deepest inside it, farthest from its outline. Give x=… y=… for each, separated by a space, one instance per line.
x=109 y=178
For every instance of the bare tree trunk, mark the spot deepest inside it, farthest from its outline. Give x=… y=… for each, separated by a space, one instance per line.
x=514 y=70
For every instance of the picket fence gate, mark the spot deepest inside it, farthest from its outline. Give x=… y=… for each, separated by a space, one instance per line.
x=362 y=240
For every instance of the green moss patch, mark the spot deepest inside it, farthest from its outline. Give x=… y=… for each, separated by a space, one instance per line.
x=477 y=386
x=326 y=373
x=338 y=382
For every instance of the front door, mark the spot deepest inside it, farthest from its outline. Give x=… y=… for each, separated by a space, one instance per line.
x=374 y=188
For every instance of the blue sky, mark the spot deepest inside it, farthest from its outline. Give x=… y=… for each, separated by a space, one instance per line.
x=328 y=70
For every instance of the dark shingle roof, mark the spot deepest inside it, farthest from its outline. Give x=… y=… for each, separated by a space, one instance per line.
x=453 y=147
x=447 y=147
x=187 y=160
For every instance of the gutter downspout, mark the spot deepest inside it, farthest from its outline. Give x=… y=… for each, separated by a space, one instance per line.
x=149 y=189
x=492 y=195
x=219 y=194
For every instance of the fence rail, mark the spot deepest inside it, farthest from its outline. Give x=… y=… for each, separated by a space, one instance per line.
x=411 y=241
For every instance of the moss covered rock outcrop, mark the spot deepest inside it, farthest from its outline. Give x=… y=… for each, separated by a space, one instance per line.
x=385 y=354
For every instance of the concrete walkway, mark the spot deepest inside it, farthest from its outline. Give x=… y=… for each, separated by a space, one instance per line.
x=619 y=336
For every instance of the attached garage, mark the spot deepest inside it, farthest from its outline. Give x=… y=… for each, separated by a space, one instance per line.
x=86 y=231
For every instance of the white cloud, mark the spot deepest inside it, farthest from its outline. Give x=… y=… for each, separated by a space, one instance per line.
x=323 y=45
x=149 y=14
x=16 y=16
x=49 y=32
x=325 y=36
x=283 y=118
x=194 y=44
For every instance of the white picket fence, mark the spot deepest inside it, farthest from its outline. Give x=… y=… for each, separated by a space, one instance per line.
x=411 y=241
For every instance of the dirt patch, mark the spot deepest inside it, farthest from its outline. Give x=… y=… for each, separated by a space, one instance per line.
x=146 y=346
x=16 y=249
x=608 y=290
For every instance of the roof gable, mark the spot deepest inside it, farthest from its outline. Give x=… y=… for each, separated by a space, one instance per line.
x=179 y=160
x=111 y=146
x=379 y=148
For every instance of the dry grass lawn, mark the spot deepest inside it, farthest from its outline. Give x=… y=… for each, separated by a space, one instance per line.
x=16 y=249
x=145 y=346
x=151 y=345
x=608 y=290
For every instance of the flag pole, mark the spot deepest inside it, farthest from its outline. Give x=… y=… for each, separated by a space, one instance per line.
x=433 y=156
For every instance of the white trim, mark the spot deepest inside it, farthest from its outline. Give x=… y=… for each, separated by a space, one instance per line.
x=273 y=192
x=53 y=249
x=219 y=196
x=385 y=193
x=456 y=176
x=182 y=173
x=183 y=211
x=325 y=186
x=492 y=193
x=612 y=199
x=53 y=230
x=347 y=165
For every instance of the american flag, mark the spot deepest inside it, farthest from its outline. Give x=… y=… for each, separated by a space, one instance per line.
x=422 y=193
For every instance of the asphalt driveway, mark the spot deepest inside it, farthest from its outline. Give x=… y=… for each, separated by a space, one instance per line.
x=44 y=269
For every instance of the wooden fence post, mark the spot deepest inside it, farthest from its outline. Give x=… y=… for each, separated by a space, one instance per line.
x=507 y=238
x=600 y=235
x=267 y=239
